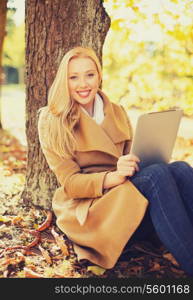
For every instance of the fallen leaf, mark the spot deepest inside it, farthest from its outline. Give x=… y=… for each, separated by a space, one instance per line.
x=96 y=270
x=60 y=242
x=3 y=228
x=170 y=257
x=5 y=219
x=155 y=267
x=16 y=220
x=31 y=274
x=45 y=254
x=64 y=269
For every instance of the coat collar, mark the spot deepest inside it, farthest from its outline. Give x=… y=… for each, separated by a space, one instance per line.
x=91 y=136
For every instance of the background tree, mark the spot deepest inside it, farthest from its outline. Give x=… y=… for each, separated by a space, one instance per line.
x=52 y=28
x=3 y=13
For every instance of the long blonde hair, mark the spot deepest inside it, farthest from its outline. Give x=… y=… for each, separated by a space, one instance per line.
x=61 y=112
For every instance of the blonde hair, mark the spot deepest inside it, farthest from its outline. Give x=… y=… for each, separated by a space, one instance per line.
x=62 y=113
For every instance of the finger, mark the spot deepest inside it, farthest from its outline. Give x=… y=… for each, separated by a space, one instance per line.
x=131 y=157
x=127 y=164
x=131 y=172
x=135 y=157
x=127 y=171
x=137 y=167
x=132 y=164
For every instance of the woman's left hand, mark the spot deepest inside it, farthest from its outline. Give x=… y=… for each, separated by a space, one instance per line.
x=127 y=165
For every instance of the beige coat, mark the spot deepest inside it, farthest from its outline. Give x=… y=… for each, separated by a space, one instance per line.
x=99 y=222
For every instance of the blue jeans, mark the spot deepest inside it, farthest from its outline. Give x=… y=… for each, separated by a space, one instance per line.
x=169 y=190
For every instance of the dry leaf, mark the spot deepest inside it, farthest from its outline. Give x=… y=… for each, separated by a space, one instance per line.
x=170 y=257
x=60 y=242
x=64 y=269
x=155 y=267
x=96 y=270
x=4 y=228
x=5 y=219
x=16 y=220
x=31 y=274
x=45 y=255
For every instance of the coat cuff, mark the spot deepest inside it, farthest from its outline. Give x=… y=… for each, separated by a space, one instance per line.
x=99 y=183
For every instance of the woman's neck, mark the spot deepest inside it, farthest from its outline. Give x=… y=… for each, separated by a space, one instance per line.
x=89 y=108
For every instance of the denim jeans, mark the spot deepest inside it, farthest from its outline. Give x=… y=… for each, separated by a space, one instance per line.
x=169 y=190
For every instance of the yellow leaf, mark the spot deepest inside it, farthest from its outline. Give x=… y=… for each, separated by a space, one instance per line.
x=96 y=270
x=4 y=219
x=36 y=226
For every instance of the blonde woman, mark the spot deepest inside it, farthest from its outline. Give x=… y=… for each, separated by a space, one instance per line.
x=105 y=200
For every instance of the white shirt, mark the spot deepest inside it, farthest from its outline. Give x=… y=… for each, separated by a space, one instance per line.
x=98 y=112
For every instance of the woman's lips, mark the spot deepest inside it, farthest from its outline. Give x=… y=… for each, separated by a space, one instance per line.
x=84 y=94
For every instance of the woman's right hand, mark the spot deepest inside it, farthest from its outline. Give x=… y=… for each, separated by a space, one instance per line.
x=127 y=165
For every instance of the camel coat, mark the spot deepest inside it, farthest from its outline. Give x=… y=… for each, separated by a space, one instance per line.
x=98 y=221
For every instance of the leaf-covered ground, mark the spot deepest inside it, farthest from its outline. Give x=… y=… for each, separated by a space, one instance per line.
x=32 y=246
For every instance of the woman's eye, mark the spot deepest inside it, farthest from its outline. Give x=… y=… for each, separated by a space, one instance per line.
x=75 y=77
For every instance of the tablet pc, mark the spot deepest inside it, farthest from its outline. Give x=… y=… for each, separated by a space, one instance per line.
x=155 y=135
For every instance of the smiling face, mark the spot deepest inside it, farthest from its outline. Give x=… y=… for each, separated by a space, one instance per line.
x=83 y=81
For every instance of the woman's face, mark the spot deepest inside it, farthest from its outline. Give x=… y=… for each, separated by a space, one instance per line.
x=83 y=81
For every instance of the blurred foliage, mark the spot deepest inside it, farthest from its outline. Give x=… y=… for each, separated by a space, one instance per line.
x=14 y=44
x=148 y=54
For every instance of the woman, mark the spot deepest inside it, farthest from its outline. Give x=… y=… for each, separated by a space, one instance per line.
x=105 y=199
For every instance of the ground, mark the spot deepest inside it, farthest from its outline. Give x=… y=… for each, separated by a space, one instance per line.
x=31 y=245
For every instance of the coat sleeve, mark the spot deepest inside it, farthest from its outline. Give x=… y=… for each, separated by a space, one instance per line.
x=68 y=173
x=127 y=145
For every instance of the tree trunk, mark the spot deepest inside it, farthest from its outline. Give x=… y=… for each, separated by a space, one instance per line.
x=3 y=14
x=52 y=28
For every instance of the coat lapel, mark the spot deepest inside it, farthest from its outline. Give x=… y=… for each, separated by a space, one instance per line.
x=91 y=136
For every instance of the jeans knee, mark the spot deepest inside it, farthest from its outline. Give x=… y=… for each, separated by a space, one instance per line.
x=179 y=166
x=180 y=169
x=156 y=171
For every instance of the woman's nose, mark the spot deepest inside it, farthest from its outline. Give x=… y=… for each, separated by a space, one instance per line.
x=83 y=82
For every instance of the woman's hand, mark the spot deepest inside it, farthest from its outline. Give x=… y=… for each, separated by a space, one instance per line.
x=127 y=165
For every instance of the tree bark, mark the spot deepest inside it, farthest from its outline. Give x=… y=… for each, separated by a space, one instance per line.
x=3 y=14
x=52 y=28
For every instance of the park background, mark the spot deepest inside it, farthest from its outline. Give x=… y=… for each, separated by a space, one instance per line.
x=147 y=66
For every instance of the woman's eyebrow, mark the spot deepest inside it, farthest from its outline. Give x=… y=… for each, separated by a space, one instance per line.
x=84 y=72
